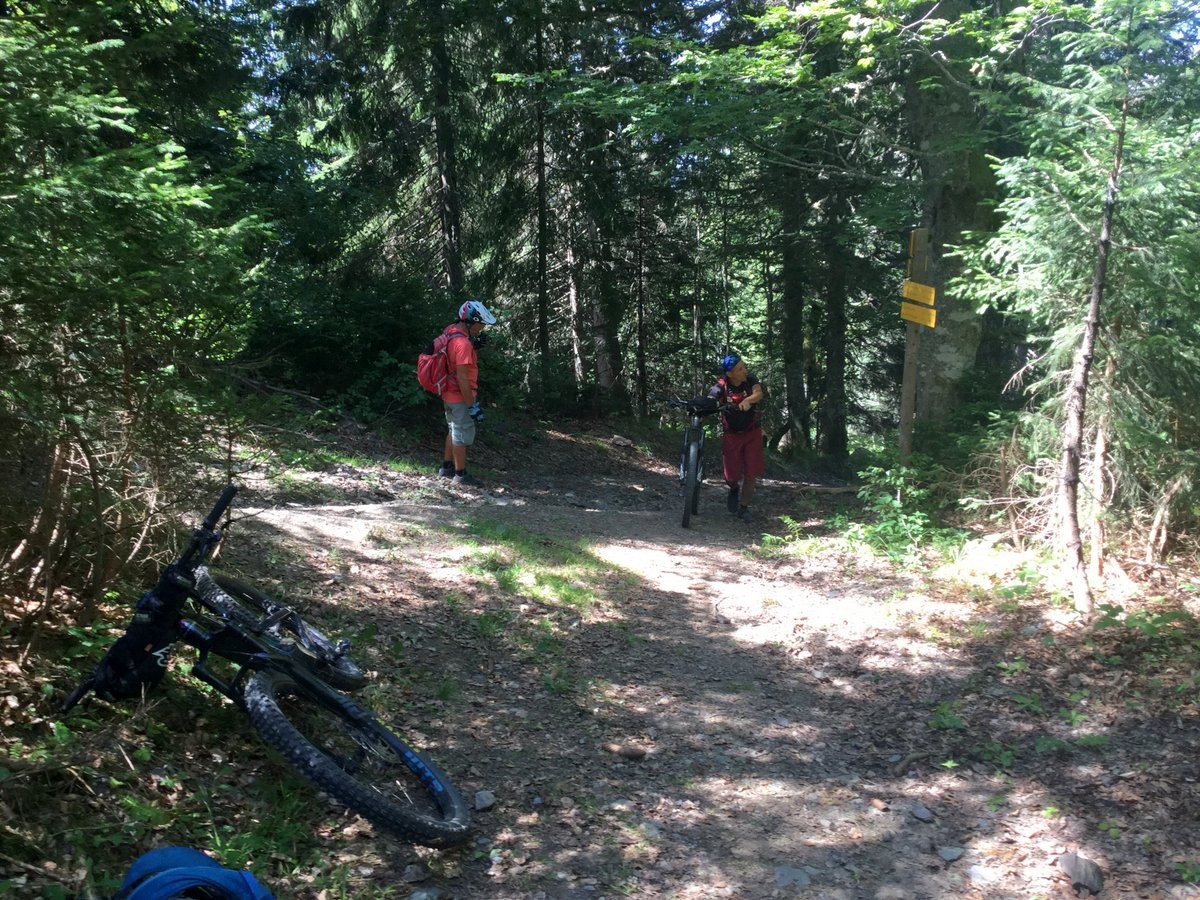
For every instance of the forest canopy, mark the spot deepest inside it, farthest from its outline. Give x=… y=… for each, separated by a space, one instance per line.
x=199 y=199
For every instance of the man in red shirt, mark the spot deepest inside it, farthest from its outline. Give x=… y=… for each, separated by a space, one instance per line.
x=460 y=397
x=742 y=442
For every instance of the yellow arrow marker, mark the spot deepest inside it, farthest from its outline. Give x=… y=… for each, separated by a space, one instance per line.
x=922 y=315
x=922 y=293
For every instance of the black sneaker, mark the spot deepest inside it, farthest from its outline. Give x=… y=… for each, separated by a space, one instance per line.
x=446 y=470
x=731 y=502
x=743 y=513
x=465 y=479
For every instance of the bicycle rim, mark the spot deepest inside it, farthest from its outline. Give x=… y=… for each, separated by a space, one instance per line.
x=355 y=758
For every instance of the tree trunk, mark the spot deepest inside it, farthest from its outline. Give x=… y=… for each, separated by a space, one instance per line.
x=1076 y=397
x=725 y=273
x=29 y=552
x=442 y=75
x=606 y=368
x=127 y=417
x=814 y=382
x=577 y=331
x=54 y=533
x=698 y=315
x=958 y=182
x=600 y=201
x=1098 y=538
x=543 y=226
x=604 y=337
x=1156 y=540
x=793 y=283
x=100 y=550
x=769 y=292
x=643 y=400
x=834 y=439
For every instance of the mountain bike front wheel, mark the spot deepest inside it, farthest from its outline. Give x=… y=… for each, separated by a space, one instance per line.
x=691 y=482
x=307 y=645
x=351 y=755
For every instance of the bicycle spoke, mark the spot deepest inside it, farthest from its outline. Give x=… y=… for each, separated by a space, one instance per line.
x=361 y=754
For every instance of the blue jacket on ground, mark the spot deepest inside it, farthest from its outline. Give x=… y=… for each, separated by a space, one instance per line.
x=171 y=872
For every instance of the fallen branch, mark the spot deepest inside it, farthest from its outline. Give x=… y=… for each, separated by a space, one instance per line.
x=35 y=870
x=902 y=767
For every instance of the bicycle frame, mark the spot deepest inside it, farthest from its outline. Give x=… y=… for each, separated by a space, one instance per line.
x=289 y=679
x=230 y=642
x=222 y=635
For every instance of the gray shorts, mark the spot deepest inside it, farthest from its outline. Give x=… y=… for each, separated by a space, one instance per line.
x=462 y=426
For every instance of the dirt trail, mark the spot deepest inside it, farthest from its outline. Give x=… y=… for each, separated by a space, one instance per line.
x=731 y=725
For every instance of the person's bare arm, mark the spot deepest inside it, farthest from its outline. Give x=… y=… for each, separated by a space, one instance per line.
x=755 y=395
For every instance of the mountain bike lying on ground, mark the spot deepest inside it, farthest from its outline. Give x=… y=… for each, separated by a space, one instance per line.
x=289 y=680
x=691 y=458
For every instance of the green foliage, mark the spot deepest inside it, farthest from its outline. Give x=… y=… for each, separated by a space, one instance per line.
x=1026 y=581
x=1017 y=667
x=126 y=239
x=560 y=681
x=1072 y=717
x=1172 y=624
x=796 y=540
x=1109 y=828
x=1189 y=871
x=945 y=717
x=998 y=754
x=1048 y=744
x=904 y=513
x=491 y=624
x=1037 y=267
x=1030 y=703
x=524 y=563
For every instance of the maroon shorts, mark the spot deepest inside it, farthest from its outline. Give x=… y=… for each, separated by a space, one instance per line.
x=742 y=454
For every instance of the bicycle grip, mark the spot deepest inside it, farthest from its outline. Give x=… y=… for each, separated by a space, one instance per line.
x=78 y=694
x=227 y=495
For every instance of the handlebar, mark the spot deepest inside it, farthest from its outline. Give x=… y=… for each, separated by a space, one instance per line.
x=676 y=403
x=78 y=694
x=170 y=588
x=227 y=495
x=204 y=537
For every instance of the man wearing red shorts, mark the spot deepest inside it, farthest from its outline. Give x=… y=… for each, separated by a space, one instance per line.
x=742 y=443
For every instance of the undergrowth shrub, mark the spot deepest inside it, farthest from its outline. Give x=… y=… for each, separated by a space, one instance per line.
x=904 y=511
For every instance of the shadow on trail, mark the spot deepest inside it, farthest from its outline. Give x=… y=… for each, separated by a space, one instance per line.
x=637 y=747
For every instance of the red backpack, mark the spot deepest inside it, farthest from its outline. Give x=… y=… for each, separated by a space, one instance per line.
x=433 y=366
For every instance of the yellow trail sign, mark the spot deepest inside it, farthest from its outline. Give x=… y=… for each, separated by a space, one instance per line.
x=922 y=315
x=922 y=293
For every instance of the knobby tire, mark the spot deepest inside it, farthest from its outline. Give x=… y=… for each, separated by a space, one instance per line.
x=699 y=479
x=691 y=482
x=352 y=756
x=293 y=635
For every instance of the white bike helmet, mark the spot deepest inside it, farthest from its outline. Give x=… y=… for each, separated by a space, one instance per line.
x=474 y=311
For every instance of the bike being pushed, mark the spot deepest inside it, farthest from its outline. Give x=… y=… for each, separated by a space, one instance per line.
x=691 y=457
x=290 y=679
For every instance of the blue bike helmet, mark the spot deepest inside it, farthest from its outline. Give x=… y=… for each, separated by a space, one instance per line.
x=729 y=362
